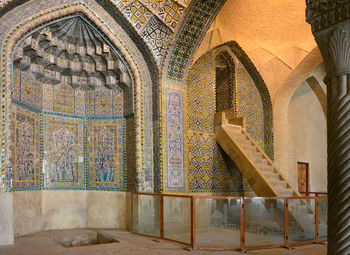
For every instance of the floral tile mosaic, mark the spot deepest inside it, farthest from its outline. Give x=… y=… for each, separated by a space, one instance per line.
x=63 y=165
x=106 y=154
x=174 y=136
x=25 y=144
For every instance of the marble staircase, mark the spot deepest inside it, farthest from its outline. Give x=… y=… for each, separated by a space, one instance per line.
x=257 y=168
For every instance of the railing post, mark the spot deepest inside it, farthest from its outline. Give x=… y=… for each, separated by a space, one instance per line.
x=286 y=219
x=132 y=212
x=161 y=198
x=317 y=218
x=243 y=224
x=193 y=222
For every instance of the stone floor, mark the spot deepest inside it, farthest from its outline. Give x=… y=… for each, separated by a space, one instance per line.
x=51 y=243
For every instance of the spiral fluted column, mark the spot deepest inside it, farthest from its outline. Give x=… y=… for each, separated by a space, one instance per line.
x=339 y=165
x=330 y=22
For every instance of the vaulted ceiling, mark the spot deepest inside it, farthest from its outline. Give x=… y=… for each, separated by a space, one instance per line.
x=273 y=33
x=167 y=27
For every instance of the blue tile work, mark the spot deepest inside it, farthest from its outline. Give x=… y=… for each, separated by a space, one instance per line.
x=103 y=102
x=249 y=105
x=4 y=2
x=49 y=14
x=25 y=144
x=200 y=15
x=206 y=168
x=137 y=14
x=106 y=150
x=174 y=140
x=61 y=135
x=66 y=151
x=84 y=87
x=153 y=5
x=225 y=79
x=63 y=166
x=171 y=14
x=63 y=98
x=157 y=36
x=264 y=96
x=156 y=21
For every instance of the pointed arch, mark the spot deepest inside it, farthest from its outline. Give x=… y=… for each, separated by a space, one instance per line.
x=238 y=53
x=145 y=81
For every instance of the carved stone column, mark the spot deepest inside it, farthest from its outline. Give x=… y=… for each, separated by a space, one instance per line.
x=330 y=20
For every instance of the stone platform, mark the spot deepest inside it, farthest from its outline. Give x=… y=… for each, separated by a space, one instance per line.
x=79 y=242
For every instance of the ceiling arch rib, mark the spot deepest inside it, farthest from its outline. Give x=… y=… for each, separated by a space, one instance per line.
x=197 y=21
x=156 y=21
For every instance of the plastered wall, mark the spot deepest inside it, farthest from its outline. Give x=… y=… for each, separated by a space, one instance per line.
x=36 y=211
x=307 y=137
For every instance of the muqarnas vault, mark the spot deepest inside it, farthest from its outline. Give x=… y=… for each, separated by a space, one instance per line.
x=71 y=96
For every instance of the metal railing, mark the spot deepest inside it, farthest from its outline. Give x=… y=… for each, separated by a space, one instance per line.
x=314 y=194
x=230 y=222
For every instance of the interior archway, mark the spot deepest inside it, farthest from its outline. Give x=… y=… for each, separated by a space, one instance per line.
x=74 y=199
x=281 y=102
x=71 y=91
x=307 y=136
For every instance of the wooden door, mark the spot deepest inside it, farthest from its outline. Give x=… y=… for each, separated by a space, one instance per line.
x=303 y=177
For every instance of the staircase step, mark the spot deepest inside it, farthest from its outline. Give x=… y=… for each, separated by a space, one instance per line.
x=242 y=140
x=262 y=161
x=266 y=169
x=251 y=151
x=272 y=176
x=253 y=156
x=279 y=185
x=239 y=136
x=235 y=128
x=286 y=193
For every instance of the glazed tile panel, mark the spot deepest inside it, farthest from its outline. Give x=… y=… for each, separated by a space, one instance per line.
x=63 y=165
x=225 y=82
x=206 y=169
x=249 y=105
x=157 y=37
x=106 y=154
x=130 y=154
x=171 y=13
x=3 y=2
x=155 y=20
x=86 y=79
x=206 y=162
x=189 y=37
x=25 y=144
x=175 y=127
x=63 y=98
